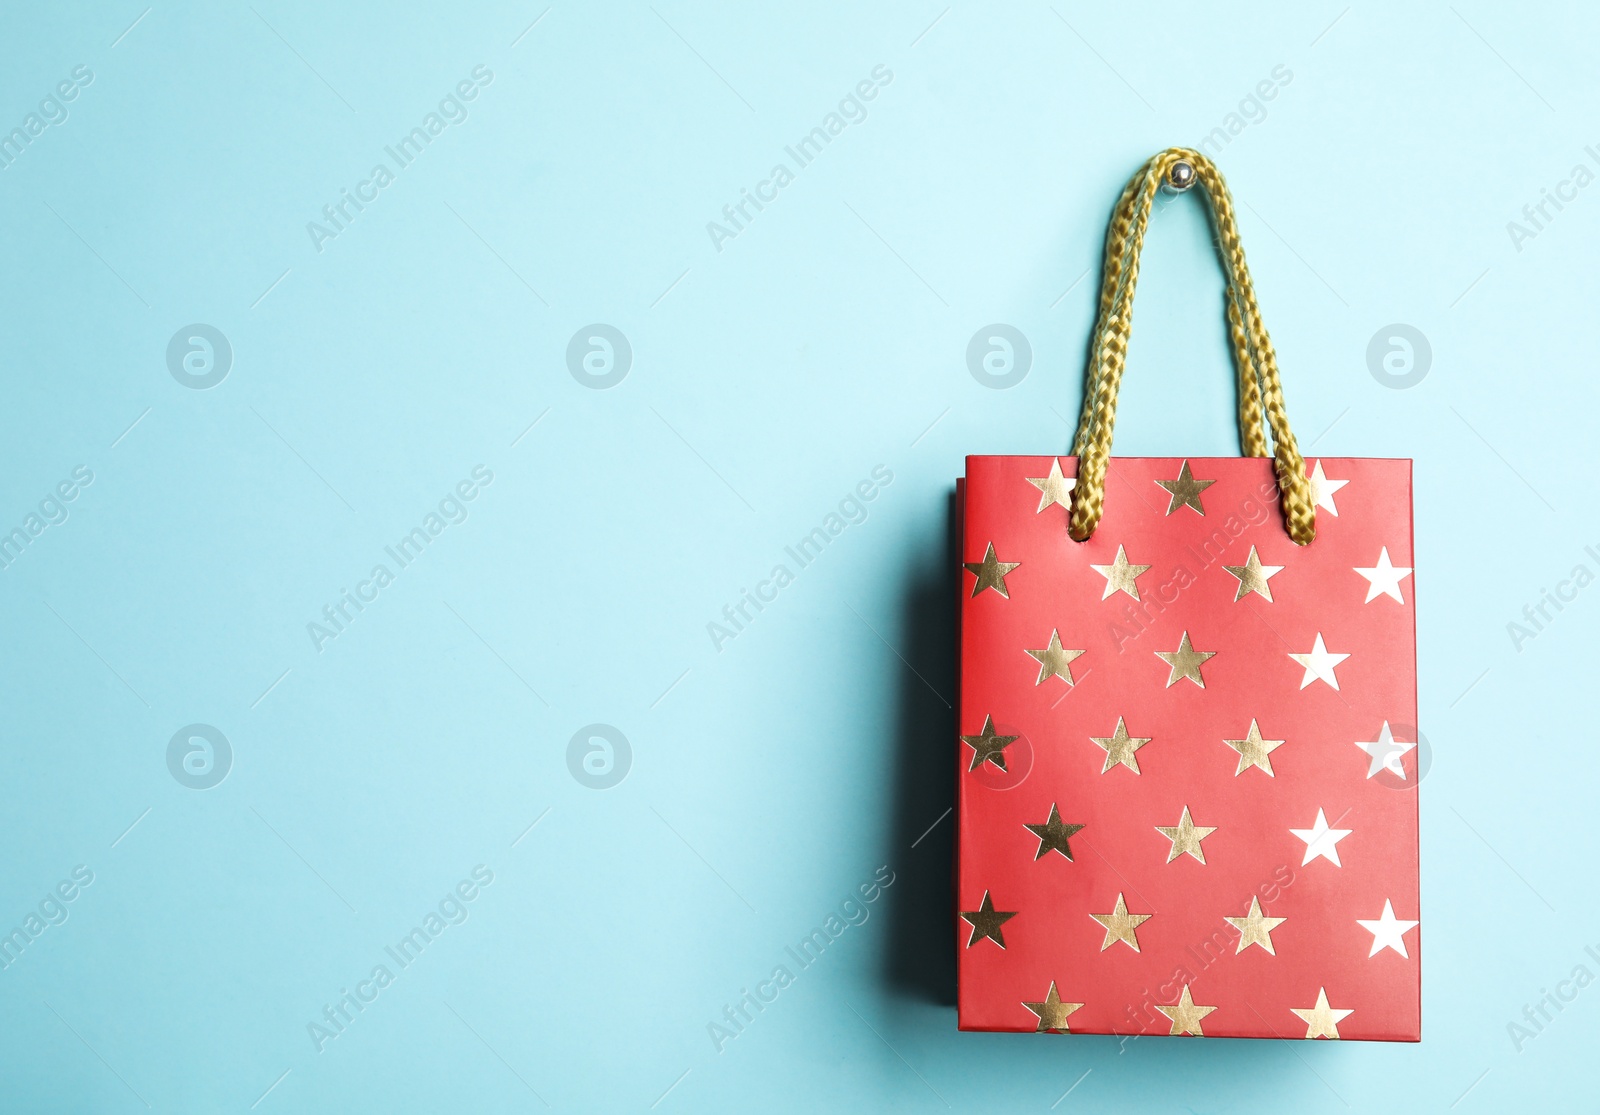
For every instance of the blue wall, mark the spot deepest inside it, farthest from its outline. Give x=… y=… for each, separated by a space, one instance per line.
x=255 y=388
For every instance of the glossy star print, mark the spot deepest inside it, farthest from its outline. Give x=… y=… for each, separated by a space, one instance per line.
x=1211 y=830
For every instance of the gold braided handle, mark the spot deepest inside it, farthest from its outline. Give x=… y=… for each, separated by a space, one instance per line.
x=1260 y=392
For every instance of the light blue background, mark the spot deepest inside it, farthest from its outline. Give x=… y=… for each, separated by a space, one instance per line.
x=770 y=778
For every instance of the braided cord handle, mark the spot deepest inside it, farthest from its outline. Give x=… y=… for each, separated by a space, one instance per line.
x=1260 y=390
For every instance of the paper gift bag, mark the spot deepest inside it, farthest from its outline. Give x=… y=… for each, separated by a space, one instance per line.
x=1188 y=744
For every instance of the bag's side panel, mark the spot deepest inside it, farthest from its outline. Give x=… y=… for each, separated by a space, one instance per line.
x=960 y=512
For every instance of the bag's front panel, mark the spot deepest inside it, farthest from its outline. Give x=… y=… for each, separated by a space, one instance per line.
x=1242 y=654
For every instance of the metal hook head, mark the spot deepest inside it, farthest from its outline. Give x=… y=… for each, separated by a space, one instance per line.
x=1180 y=176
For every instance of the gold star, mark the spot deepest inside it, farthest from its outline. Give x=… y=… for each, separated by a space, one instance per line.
x=1053 y=1013
x=1322 y=840
x=1053 y=835
x=1388 y=931
x=1186 y=1017
x=1120 y=925
x=1253 y=576
x=986 y=922
x=1322 y=489
x=1386 y=753
x=1384 y=578
x=990 y=573
x=1121 y=575
x=1255 y=929
x=1120 y=748
x=1322 y=1021
x=1054 y=488
x=1055 y=661
x=987 y=746
x=1319 y=662
x=1253 y=750
x=1185 y=490
x=1186 y=837
x=1185 y=662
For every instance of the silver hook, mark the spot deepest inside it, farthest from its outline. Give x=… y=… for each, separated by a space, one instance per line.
x=1180 y=176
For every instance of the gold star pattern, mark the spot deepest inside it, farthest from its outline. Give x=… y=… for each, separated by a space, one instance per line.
x=1255 y=928
x=1185 y=1016
x=1322 y=1021
x=1120 y=747
x=1253 y=577
x=1053 y=1013
x=1253 y=750
x=1121 y=925
x=986 y=922
x=991 y=573
x=1323 y=489
x=1186 y=837
x=1185 y=490
x=988 y=746
x=1053 y=835
x=1055 y=661
x=1054 y=488
x=1185 y=662
x=1121 y=575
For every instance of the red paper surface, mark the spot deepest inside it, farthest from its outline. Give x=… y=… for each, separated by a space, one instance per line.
x=1186 y=942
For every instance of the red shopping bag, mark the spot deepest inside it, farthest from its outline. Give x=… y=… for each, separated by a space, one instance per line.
x=1187 y=755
